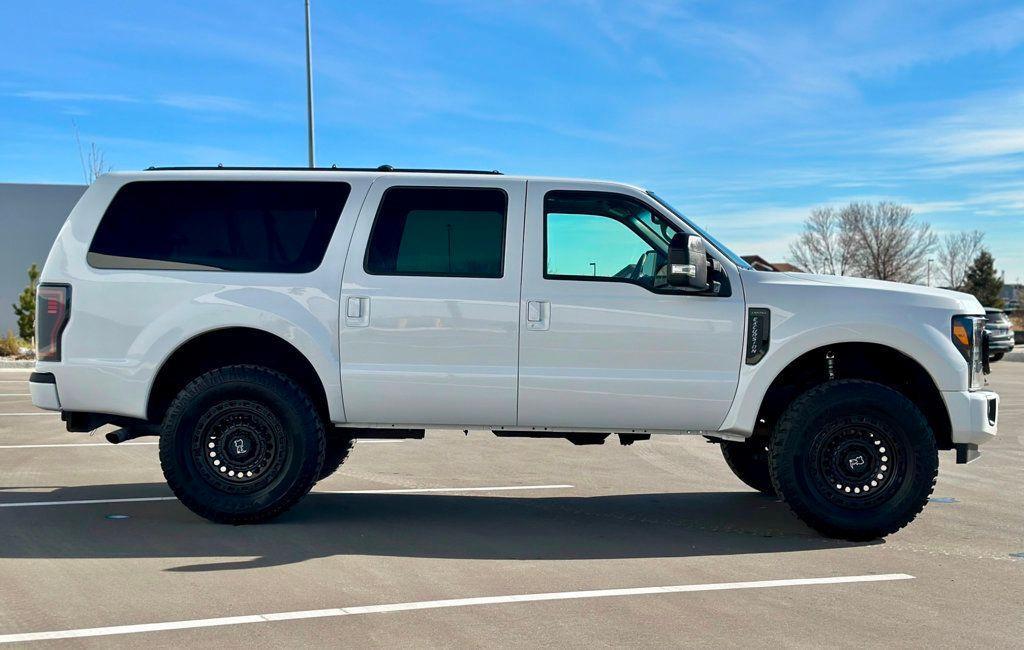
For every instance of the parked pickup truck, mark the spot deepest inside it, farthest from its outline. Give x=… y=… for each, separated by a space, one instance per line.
x=261 y=320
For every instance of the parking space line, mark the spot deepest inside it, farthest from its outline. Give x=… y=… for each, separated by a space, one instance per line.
x=25 y=414
x=503 y=488
x=107 y=444
x=79 y=444
x=83 y=502
x=436 y=604
x=15 y=394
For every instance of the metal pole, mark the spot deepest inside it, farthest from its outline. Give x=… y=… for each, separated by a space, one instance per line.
x=309 y=87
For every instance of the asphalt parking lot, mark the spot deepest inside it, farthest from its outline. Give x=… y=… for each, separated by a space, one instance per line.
x=478 y=541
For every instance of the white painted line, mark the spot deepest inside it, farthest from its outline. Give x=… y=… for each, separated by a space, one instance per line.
x=15 y=394
x=80 y=444
x=82 y=502
x=503 y=488
x=13 y=381
x=377 y=440
x=25 y=414
x=434 y=604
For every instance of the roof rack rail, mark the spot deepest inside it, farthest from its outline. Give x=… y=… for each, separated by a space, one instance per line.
x=332 y=168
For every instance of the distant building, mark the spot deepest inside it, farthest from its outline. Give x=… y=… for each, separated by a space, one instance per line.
x=761 y=264
x=30 y=215
x=1011 y=295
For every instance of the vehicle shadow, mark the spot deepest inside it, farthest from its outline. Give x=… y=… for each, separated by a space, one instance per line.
x=446 y=526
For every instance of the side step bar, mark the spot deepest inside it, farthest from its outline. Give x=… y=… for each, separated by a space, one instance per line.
x=382 y=434
x=575 y=438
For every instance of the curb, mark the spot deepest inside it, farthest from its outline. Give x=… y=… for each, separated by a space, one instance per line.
x=17 y=364
x=1014 y=356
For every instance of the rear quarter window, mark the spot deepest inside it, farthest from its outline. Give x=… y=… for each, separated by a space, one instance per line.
x=253 y=226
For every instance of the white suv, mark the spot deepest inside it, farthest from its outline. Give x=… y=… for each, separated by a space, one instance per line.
x=259 y=320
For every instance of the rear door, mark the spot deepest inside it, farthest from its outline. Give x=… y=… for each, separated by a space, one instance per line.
x=605 y=344
x=430 y=302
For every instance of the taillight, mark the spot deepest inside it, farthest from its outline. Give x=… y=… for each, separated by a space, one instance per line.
x=53 y=307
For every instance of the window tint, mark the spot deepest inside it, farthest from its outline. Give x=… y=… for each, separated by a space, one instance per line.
x=605 y=236
x=591 y=245
x=439 y=231
x=275 y=227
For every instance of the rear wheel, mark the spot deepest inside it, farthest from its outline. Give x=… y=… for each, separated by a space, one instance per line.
x=241 y=444
x=748 y=460
x=854 y=459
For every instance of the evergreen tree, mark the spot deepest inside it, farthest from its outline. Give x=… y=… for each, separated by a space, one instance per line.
x=983 y=282
x=25 y=310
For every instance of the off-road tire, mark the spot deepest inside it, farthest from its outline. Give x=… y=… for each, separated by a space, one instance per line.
x=339 y=445
x=898 y=480
x=749 y=462
x=225 y=405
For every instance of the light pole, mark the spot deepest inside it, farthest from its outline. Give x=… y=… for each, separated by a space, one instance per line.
x=309 y=87
x=594 y=264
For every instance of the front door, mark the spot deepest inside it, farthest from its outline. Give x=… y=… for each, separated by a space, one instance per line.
x=430 y=303
x=605 y=343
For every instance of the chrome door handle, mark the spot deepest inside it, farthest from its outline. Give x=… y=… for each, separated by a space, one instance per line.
x=538 y=313
x=357 y=311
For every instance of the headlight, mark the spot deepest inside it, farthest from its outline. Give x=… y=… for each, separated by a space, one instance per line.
x=968 y=334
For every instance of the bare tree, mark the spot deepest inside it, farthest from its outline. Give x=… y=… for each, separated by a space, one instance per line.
x=824 y=245
x=93 y=164
x=890 y=244
x=957 y=251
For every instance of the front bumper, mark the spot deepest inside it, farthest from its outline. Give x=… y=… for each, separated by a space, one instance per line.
x=973 y=415
x=1002 y=344
x=43 y=388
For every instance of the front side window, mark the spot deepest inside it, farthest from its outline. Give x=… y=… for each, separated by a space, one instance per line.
x=255 y=226
x=439 y=231
x=596 y=235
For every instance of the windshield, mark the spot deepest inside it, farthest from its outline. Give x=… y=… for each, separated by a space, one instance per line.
x=736 y=259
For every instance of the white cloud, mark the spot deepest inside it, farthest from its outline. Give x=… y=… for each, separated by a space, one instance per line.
x=64 y=96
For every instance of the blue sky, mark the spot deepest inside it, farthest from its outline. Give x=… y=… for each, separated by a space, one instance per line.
x=743 y=115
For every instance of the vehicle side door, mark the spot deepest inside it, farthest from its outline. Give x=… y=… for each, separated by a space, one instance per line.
x=606 y=344
x=430 y=302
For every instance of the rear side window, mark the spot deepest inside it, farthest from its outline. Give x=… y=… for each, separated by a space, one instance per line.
x=272 y=227
x=442 y=231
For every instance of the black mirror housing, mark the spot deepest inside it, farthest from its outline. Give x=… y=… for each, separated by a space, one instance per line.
x=687 y=262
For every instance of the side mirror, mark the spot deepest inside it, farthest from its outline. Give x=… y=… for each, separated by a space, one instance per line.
x=687 y=262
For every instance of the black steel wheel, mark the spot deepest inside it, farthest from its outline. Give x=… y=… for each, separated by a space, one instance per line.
x=854 y=459
x=856 y=463
x=241 y=444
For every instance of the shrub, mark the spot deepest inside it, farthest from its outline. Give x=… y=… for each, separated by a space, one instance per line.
x=12 y=346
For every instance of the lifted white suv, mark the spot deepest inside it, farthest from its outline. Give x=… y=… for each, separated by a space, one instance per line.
x=260 y=320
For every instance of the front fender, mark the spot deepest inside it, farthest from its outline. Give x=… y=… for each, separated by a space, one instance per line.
x=925 y=342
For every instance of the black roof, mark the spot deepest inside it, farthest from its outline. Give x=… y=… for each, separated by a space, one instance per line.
x=333 y=168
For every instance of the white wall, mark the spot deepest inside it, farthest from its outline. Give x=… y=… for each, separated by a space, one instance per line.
x=30 y=216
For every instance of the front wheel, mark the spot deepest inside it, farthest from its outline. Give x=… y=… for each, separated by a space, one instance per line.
x=241 y=444
x=996 y=357
x=854 y=459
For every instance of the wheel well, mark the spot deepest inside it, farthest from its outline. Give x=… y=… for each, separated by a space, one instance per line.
x=225 y=347
x=869 y=361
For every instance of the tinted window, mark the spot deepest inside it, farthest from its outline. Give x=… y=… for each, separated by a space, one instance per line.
x=439 y=231
x=276 y=227
x=598 y=235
